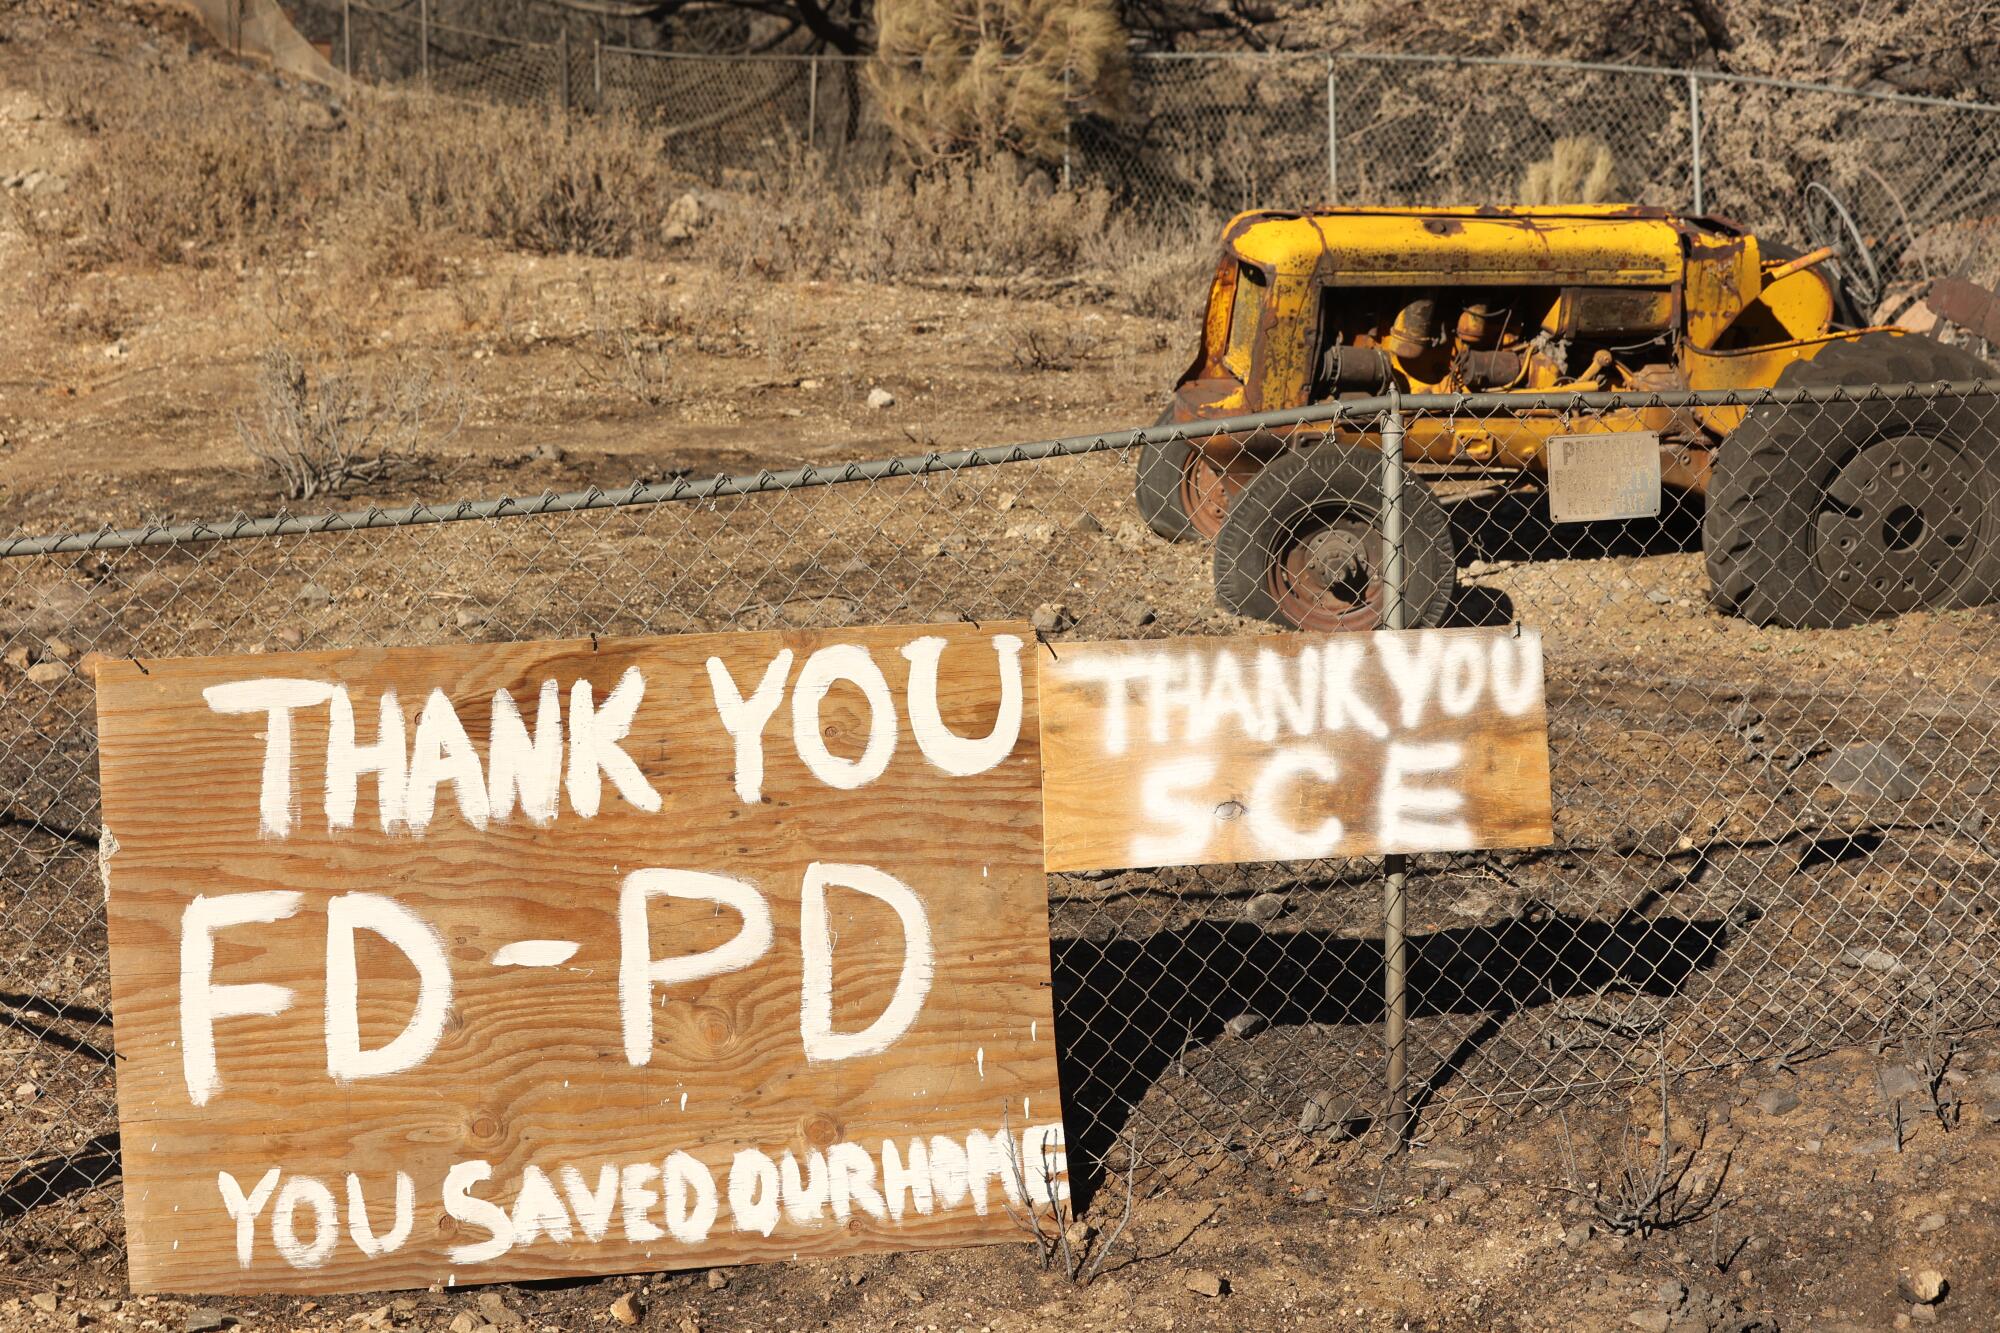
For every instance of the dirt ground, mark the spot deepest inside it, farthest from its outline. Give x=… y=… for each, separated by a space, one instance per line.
x=121 y=400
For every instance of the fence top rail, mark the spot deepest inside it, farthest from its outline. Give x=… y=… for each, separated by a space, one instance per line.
x=1394 y=57
x=912 y=465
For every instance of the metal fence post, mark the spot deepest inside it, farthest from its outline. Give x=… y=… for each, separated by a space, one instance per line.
x=1332 y=144
x=1066 y=124
x=812 y=99
x=562 y=77
x=424 y=40
x=597 y=71
x=347 y=37
x=1694 y=135
x=1395 y=870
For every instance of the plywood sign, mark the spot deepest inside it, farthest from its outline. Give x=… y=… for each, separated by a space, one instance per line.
x=1283 y=747
x=449 y=965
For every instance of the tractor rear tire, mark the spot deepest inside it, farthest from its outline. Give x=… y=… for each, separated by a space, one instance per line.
x=1825 y=515
x=1302 y=545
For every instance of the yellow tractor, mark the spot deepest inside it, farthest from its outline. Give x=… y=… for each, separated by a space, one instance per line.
x=1815 y=515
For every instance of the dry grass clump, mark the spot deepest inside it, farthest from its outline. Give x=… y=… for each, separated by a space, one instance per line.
x=966 y=79
x=191 y=164
x=1578 y=170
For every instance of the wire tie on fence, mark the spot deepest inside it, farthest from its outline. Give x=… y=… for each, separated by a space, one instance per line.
x=1043 y=640
x=593 y=641
x=142 y=667
x=968 y=620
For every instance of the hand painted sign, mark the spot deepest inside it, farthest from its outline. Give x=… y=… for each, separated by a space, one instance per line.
x=459 y=964
x=1284 y=747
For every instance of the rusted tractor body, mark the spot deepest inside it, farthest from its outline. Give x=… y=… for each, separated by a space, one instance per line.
x=1351 y=302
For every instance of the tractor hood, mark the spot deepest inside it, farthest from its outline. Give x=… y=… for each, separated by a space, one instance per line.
x=1602 y=245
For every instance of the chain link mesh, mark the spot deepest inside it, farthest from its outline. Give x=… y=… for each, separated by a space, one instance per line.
x=1769 y=839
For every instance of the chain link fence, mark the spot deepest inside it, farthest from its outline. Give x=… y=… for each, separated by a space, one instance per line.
x=1219 y=132
x=1770 y=841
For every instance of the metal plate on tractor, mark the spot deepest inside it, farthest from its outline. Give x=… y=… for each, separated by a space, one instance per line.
x=1609 y=474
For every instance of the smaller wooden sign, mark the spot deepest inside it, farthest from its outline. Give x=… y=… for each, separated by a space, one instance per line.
x=1288 y=747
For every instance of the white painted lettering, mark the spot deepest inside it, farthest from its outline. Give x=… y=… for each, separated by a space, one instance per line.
x=362 y=1231
x=745 y=719
x=690 y=1198
x=1180 y=826
x=387 y=758
x=753 y=1192
x=639 y=972
x=520 y=769
x=284 y=1222
x=591 y=1206
x=462 y=1205
x=1343 y=705
x=804 y=1201
x=1276 y=836
x=1411 y=661
x=595 y=751
x=636 y=1198
x=947 y=750
x=537 y=1210
x=912 y=1182
x=243 y=1209
x=419 y=942
x=1416 y=818
x=849 y=662
x=442 y=752
x=913 y=983
x=276 y=697
x=202 y=1001
x=851 y=1182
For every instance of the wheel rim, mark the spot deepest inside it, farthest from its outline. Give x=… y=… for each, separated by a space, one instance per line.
x=1327 y=572
x=1900 y=528
x=1206 y=491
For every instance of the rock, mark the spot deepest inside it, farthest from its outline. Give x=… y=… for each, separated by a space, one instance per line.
x=1325 y=1111
x=290 y=638
x=45 y=1301
x=548 y=451
x=1146 y=617
x=1777 y=1101
x=19 y=657
x=495 y=1309
x=58 y=649
x=207 y=1320
x=1923 y=1314
x=1204 y=1283
x=1930 y=1222
x=1087 y=522
x=1471 y=1196
x=470 y=617
x=1658 y=598
x=1926 y=1286
x=1265 y=908
x=1078 y=1233
x=48 y=673
x=1443 y=1159
x=465 y=1322
x=1052 y=618
x=881 y=399
x=1900 y=1081
x=1578 y=1236
x=1246 y=1025
x=1870 y=771
x=1874 y=960
x=627 y=1310
x=809 y=385
x=314 y=595
x=717 y=1279
x=1313 y=1196
x=26 y=1092
x=1650 y=1321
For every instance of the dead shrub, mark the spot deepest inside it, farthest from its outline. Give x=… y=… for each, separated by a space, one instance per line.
x=1047 y=348
x=972 y=78
x=318 y=432
x=1578 y=170
x=980 y=219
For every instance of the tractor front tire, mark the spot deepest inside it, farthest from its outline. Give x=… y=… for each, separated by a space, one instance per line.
x=1829 y=514
x=1302 y=545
